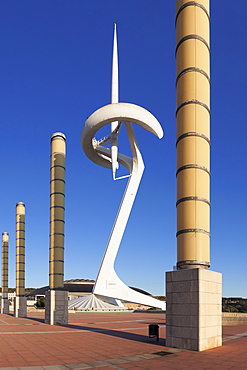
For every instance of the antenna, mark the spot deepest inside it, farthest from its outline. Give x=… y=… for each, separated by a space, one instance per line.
x=114 y=87
x=114 y=99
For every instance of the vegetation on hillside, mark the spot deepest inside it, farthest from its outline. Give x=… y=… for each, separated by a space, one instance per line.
x=228 y=304
x=234 y=305
x=160 y=297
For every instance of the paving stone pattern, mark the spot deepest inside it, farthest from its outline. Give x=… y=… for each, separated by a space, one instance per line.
x=108 y=341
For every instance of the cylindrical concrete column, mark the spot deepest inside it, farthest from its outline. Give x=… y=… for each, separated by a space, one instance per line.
x=5 y=273
x=20 y=249
x=57 y=210
x=193 y=134
x=5 y=262
x=193 y=318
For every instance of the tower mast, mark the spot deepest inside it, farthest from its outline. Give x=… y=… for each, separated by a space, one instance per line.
x=114 y=99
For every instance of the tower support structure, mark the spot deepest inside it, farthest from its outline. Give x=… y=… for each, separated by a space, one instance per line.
x=5 y=273
x=193 y=293
x=56 y=308
x=20 y=301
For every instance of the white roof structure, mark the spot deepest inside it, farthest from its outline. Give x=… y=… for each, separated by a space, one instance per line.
x=92 y=302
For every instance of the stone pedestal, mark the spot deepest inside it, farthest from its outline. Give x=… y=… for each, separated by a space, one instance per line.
x=193 y=309
x=20 y=307
x=5 y=303
x=56 y=307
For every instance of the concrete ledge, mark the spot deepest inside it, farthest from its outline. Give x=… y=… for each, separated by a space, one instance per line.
x=234 y=319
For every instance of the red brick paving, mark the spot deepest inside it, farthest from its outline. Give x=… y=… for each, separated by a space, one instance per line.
x=107 y=341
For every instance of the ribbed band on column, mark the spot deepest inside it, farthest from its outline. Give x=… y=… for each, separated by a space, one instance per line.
x=192 y=3
x=193 y=264
x=192 y=69
x=192 y=101
x=190 y=134
x=191 y=37
x=58 y=135
x=198 y=199
x=192 y=166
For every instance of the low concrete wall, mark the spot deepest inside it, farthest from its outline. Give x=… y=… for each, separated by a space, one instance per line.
x=228 y=318
x=234 y=319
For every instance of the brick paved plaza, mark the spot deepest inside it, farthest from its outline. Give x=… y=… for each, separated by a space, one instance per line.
x=108 y=341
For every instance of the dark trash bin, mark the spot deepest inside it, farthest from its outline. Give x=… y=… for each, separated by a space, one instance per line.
x=153 y=331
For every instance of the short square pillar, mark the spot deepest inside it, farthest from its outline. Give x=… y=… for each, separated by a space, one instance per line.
x=56 y=307
x=5 y=303
x=20 y=306
x=193 y=309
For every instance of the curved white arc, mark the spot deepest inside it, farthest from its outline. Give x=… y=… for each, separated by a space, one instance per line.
x=115 y=112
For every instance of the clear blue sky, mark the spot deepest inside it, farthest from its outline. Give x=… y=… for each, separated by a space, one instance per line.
x=55 y=59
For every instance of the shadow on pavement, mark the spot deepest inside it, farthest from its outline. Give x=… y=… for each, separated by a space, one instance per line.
x=120 y=334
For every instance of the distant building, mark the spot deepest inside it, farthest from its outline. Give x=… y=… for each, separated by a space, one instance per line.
x=77 y=288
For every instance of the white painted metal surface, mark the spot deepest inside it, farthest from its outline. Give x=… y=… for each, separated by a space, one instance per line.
x=108 y=284
x=115 y=112
x=114 y=99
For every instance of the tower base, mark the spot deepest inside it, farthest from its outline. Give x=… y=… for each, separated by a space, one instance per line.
x=20 y=306
x=56 y=307
x=193 y=309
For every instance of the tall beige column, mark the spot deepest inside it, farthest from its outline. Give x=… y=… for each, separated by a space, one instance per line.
x=5 y=273
x=193 y=134
x=56 y=298
x=193 y=292
x=20 y=309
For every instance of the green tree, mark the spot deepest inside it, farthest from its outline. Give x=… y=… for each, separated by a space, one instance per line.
x=40 y=303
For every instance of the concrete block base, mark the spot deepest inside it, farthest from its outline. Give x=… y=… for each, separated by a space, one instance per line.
x=5 y=303
x=56 y=307
x=20 y=307
x=193 y=309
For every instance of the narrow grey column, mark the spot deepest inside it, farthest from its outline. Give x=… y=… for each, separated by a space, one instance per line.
x=56 y=311
x=20 y=306
x=5 y=273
